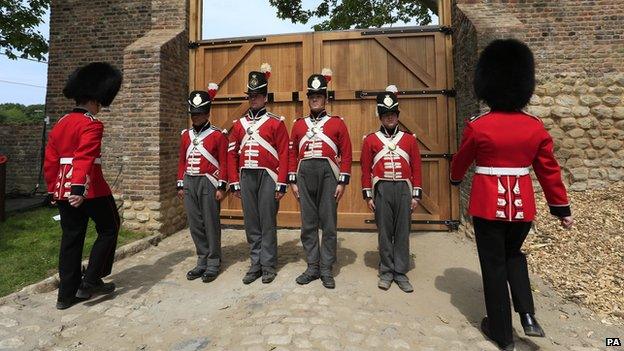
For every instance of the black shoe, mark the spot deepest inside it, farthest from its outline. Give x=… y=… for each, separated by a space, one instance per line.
x=65 y=304
x=328 y=281
x=251 y=277
x=268 y=277
x=530 y=325
x=306 y=278
x=405 y=285
x=384 y=284
x=486 y=330
x=195 y=273
x=87 y=289
x=209 y=276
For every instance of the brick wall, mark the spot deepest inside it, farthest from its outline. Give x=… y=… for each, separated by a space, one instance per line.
x=579 y=52
x=147 y=39
x=22 y=145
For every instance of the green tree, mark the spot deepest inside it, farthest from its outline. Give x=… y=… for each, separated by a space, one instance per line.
x=18 y=34
x=348 y=14
x=11 y=113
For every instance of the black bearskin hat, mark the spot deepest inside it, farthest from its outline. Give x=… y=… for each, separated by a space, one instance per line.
x=97 y=81
x=505 y=75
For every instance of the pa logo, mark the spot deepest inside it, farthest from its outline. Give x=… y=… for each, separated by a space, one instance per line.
x=613 y=342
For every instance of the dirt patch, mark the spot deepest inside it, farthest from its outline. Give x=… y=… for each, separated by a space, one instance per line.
x=584 y=264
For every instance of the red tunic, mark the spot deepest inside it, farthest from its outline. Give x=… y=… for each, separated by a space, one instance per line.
x=328 y=138
x=72 y=157
x=206 y=158
x=258 y=144
x=505 y=145
x=391 y=159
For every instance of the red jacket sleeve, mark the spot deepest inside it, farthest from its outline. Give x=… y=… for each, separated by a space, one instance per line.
x=89 y=148
x=346 y=154
x=293 y=154
x=232 y=156
x=281 y=141
x=223 y=161
x=464 y=156
x=416 y=165
x=366 y=162
x=181 y=160
x=51 y=165
x=548 y=174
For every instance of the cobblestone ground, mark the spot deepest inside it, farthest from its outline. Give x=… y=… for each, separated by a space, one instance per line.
x=156 y=308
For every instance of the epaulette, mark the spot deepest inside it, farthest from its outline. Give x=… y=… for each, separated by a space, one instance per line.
x=533 y=116
x=182 y=132
x=91 y=117
x=212 y=126
x=474 y=118
x=270 y=114
x=224 y=131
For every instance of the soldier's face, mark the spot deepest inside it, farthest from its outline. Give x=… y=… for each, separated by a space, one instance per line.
x=199 y=118
x=390 y=120
x=257 y=101
x=316 y=102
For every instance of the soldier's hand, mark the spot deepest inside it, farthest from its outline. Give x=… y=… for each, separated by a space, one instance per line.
x=75 y=200
x=566 y=222
x=414 y=204
x=237 y=194
x=371 y=204
x=279 y=195
x=220 y=195
x=295 y=190
x=181 y=194
x=339 y=192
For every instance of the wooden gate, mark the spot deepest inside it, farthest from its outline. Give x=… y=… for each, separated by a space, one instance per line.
x=415 y=59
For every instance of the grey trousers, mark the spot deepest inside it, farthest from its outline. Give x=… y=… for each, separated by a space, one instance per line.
x=317 y=185
x=203 y=212
x=393 y=217
x=260 y=218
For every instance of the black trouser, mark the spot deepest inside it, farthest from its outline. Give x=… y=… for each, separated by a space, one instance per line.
x=502 y=262
x=103 y=212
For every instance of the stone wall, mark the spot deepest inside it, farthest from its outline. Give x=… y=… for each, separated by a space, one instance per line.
x=148 y=40
x=579 y=66
x=22 y=145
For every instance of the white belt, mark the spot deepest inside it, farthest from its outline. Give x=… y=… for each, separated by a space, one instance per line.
x=502 y=171
x=68 y=161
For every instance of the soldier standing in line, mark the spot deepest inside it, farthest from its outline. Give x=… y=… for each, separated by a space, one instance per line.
x=73 y=173
x=505 y=142
x=257 y=171
x=391 y=186
x=202 y=183
x=319 y=170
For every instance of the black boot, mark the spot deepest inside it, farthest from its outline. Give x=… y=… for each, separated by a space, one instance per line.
x=530 y=325
x=88 y=289
x=328 y=281
x=251 y=277
x=67 y=303
x=306 y=278
x=195 y=273
x=485 y=328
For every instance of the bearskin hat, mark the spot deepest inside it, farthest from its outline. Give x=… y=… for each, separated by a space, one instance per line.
x=97 y=81
x=505 y=75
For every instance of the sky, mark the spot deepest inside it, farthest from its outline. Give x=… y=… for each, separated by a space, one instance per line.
x=24 y=82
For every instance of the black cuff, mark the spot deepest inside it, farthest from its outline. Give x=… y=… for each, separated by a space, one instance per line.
x=222 y=185
x=292 y=178
x=417 y=193
x=235 y=187
x=367 y=194
x=78 y=190
x=281 y=188
x=344 y=179
x=560 y=211
x=455 y=182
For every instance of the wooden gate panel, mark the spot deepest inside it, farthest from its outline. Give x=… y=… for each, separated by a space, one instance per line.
x=413 y=61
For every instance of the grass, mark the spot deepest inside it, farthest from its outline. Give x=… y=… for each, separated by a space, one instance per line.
x=29 y=247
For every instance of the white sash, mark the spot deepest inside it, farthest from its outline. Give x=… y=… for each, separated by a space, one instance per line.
x=251 y=133
x=317 y=131
x=388 y=147
x=200 y=146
